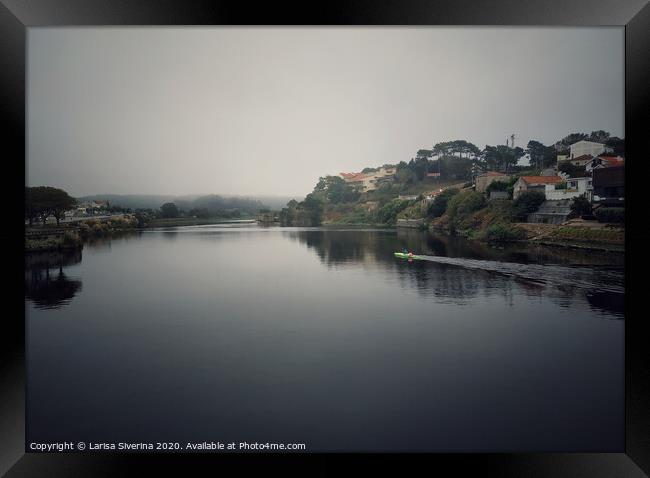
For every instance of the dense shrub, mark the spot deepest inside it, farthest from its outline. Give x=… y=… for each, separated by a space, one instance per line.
x=581 y=206
x=496 y=186
x=527 y=202
x=610 y=214
x=439 y=204
x=71 y=238
x=387 y=214
x=464 y=203
x=503 y=232
x=572 y=170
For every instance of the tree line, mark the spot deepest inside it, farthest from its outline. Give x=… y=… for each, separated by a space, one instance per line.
x=44 y=201
x=460 y=159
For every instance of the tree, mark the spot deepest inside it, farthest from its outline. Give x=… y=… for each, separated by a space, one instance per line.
x=457 y=147
x=169 y=210
x=527 y=202
x=541 y=156
x=44 y=201
x=387 y=214
x=439 y=204
x=497 y=186
x=32 y=209
x=568 y=140
x=599 y=136
x=580 y=206
x=572 y=170
x=617 y=144
x=501 y=157
x=455 y=167
x=313 y=208
x=200 y=212
x=336 y=190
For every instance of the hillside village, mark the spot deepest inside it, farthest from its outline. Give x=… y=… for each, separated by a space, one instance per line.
x=569 y=192
x=577 y=185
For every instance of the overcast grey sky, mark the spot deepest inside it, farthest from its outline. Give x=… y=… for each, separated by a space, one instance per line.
x=269 y=110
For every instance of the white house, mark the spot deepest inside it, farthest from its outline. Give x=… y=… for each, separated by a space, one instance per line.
x=534 y=183
x=584 y=147
x=575 y=187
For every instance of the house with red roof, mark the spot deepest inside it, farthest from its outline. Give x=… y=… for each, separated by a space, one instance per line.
x=534 y=183
x=604 y=162
x=369 y=181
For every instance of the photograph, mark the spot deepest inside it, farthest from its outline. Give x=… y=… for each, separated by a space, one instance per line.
x=326 y=239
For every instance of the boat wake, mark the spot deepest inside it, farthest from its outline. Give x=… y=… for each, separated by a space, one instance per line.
x=596 y=279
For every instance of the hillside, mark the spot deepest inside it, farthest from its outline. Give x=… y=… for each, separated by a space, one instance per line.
x=147 y=201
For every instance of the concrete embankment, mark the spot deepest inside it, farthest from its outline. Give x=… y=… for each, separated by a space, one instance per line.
x=410 y=223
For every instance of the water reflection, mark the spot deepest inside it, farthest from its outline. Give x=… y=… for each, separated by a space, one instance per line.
x=324 y=337
x=457 y=270
x=106 y=242
x=47 y=286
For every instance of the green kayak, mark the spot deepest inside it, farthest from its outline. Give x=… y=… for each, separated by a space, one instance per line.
x=401 y=255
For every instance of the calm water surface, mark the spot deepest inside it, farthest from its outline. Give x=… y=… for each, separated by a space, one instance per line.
x=322 y=337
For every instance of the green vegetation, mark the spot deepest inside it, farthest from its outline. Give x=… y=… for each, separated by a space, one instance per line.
x=304 y=213
x=388 y=213
x=168 y=210
x=439 y=204
x=587 y=235
x=580 y=206
x=610 y=214
x=541 y=156
x=335 y=190
x=54 y=242
x=500 y=232
x=572 y=170
x=96 y=228
x=461 y=205
x=496 y=186
x=527 y=203
x=43 y=201
x=433 y=170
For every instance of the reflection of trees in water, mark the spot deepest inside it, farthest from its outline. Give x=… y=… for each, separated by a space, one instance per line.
x=458 y=284
x=337 y=247
x=46 y=285
x=105 y=241
x=453 y=246
x=446 y=283
x=608 y=301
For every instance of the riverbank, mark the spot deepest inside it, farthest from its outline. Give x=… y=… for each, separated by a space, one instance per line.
x=571 y=235
x=59 y=239
x=72 y=236
x=193 y=221
x=578 y=235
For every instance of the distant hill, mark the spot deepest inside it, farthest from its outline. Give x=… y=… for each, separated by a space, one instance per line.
x=209 y=201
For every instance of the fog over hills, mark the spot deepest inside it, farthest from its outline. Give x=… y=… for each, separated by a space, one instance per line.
x=154 y=201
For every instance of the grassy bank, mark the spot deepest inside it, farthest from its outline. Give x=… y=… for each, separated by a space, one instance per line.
x=606 y=239
x=54 y=242
x=73 y=237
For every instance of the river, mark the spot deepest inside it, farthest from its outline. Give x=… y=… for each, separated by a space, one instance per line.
x=236 y=333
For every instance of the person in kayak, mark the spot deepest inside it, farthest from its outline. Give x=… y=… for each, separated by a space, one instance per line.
x=405 y=250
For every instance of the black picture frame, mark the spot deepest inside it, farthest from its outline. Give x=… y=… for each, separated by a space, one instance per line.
x=18 y=15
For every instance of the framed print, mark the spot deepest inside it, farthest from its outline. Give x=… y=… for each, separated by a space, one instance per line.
x=361 y=237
